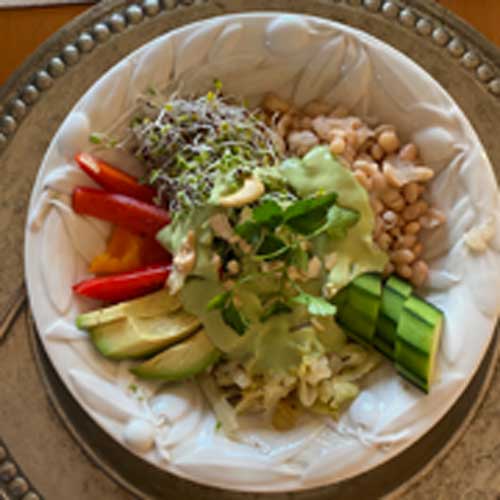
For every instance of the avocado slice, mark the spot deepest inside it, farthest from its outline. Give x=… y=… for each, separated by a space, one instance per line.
x=135 y=337
x=160 y=302
x=181 y=361
x=139 y=327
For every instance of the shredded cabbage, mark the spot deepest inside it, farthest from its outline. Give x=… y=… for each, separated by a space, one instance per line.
x=224 y=412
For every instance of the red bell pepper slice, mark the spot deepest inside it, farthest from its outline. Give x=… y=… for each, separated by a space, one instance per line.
x=153 y=253
x=121 y=210
x=125 y=286
x=112 y=179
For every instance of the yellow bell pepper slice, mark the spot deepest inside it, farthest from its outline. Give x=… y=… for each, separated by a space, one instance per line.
x=123 y=253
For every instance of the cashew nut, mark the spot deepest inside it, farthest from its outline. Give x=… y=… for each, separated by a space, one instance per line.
x=399 y=172
x=221 y=227
x=184 y=262
x=251 y=190
x=185 y=258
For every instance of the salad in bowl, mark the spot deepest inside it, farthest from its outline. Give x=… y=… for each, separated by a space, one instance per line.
x=294 y=244
x=271 y=249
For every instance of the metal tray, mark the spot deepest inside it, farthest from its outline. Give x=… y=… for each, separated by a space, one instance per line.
x=32 y=105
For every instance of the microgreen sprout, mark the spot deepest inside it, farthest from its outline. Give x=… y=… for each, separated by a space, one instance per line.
x=186 y=143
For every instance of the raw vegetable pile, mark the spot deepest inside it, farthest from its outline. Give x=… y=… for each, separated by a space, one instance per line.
x=253 y=268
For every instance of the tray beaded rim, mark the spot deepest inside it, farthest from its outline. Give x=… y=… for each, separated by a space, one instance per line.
x=111 y=18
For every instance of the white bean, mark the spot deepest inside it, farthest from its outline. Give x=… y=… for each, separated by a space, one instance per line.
x=402 y=256
x=405 y=271
x=337 y=145
x=377 y=152
x=412 y=228
x=390 y=219
x=411 y=192
x=420 y=273
x=409 y=152
x=388 y=141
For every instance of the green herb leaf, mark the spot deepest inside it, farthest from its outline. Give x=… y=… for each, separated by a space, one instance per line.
x=249 y=231
x=308 y=215
x=268 y=214
x=218 y=302
x=271 y=248
x=274 y=309
x=340 y=220
x=317 y=306
x=234 y=319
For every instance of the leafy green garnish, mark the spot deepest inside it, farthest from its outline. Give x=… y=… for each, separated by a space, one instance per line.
x=249 y=231
x=234 y=319
x=218 y=302
x=271 y=248
x=307 y=215
x=274 y=309
x=317 y=306
x=340 y=220
x=229 y=312
x=268 y=214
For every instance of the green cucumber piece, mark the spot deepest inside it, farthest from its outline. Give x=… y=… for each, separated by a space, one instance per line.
x=386 y=329
x=414 y=379
x=417 y=341
x=357 y=338
x=394 y=296
x=341 y=297
x=356 y=322
x=365 y=293
x=359 y=306
x=386 y=348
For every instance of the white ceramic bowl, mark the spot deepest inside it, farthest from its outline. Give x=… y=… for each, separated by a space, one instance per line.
x=301 y=58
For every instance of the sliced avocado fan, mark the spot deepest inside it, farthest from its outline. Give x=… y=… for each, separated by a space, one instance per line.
x=139 y=327
x=181 y=361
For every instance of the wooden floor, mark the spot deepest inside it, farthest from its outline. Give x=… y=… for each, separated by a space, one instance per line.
x=22 y=30
x=484 y=15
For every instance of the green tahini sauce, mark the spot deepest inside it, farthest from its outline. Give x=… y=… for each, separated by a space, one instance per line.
x=278 y=344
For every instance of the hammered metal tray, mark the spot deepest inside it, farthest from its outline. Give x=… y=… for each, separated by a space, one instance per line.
x=33 y=104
